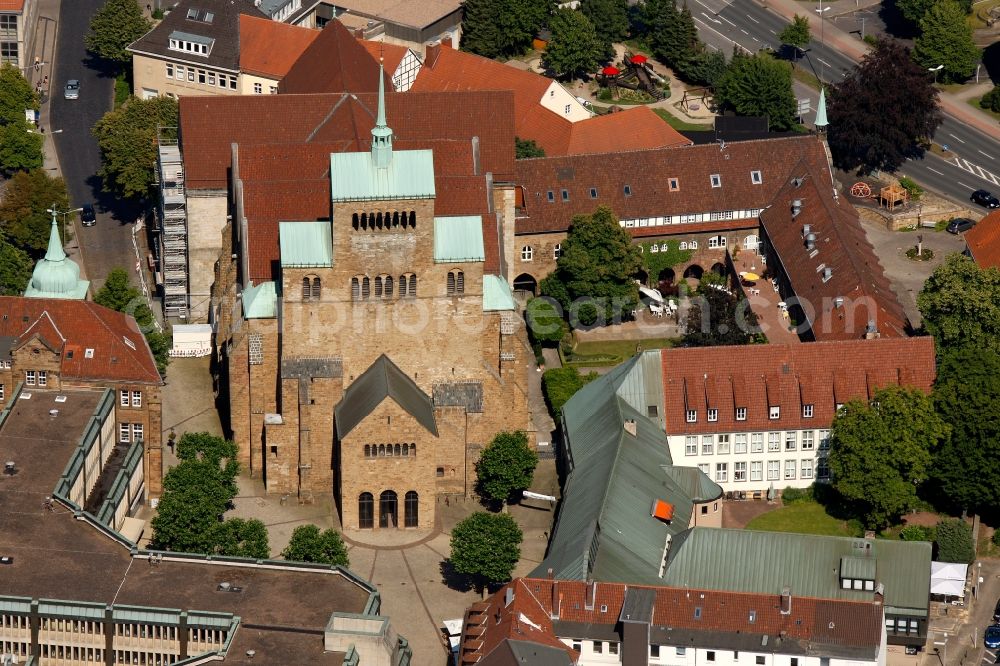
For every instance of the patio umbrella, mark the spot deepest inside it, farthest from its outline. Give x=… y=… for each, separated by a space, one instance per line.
x=639 y=59
x=652 y=293
x=749 y=277
x=611 y=70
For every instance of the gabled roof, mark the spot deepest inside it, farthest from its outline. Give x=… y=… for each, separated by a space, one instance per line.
x=12 y=5
x=269 y=48
x=333 y=63
x=590 y=182
x=383 y=379
x=983 y=241
x=260 y=301
x=841 y=247
x=119 y=349
x=756 y=377
x=223 y=30
x=391 y=54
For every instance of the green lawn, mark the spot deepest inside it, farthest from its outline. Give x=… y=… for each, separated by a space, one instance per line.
x=974 y=103
x=803 y=74
x=623 y=348
x=803 y=517
x=681 y=125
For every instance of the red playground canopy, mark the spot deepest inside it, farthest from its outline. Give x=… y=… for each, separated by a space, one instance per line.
x=639 y=59
x=611 y=70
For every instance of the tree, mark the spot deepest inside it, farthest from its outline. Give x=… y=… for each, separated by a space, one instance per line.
x=796 y=34
x=237 y=537
x=593 y=278
x=561 y=384
x=545 y=322
x=966 y=469
x=705 y=68
x=759 y=85
x=127 y=137
x=210 y=448
x=946 y=39
x=502 y=28
x=610 y=19
x=118 y=294
x=204 y=476
x=186 y=521
x=507 y=464
x=954 y=542
x=308 y=544
x=24 y=210
x=882 y=110
x=20 y=147
x=991 y=100
x=114 y=26
x=486 y=546
x=719 y=318
x=671 y=33
x=16 y=94
x=15 y=269
x=525 y=148
x=915 y=10
x=880 y=453
x=960 y=305
x=574 y=48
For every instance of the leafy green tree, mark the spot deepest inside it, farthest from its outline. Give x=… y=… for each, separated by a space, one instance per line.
x=759 y=85
x=880 y=453
x=954 y=543
x=20 y=147
x=237 y=537
x=917 y=533
x=914 y=10
x=127 y=137
x=879 y=126
x=561 y=384
x=506 y=465
x=210 y=448
x=946 y=39
x=991 y=100
x=186 y=521
x=15 y=269
x=545 y=322
x=309 y=544
x=502 y=28
x=717 y=317
x=16 y=94
x=705 y=68
x=118 y=294
x=486 y=546
x=610 y=19
x=596 y=266
x=671 y=33
x=796 y=33
x=205 y=476
x=966 y=469
x=960 y=305
x=574 y=48
x=526 y=148
x=24 y=210
x=113 y=27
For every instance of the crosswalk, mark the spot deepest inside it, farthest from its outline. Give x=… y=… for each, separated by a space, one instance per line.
x=975 y=170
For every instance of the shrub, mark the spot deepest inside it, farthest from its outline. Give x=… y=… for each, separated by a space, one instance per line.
x=916 y=533
x=911 y=187
x=954 y=541
x=560 y=385
x=991 y=100
x=792 y=495
x=996 y=538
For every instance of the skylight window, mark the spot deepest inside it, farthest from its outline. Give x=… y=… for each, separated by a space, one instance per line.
x=200 y=15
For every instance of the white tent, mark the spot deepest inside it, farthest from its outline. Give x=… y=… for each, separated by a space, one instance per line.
x=948 y=578
x=651 y=293
x=192 y=340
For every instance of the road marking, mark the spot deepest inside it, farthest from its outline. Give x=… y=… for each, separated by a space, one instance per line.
x=744 y=32
x=824 y=62
x=711 y=19
x=935 y=171
x=982 y=153
x=955 y=137
x=753 y=19
x=728 y=21
x=964 y=185
x=725 y=37
x=773 y=32
x=975 y=170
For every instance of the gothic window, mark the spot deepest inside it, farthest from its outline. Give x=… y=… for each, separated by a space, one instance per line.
x=387 y=509
x=411 y=505
x=456 y=283
x=316 y=288
x=413 y=219
x=387 y=286
x=366 y=288
x=366 y=511
x=355 y=288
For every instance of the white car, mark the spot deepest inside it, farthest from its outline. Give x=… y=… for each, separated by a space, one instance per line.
x=72 y=89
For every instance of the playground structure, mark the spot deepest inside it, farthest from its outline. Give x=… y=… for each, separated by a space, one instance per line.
x=637 y=75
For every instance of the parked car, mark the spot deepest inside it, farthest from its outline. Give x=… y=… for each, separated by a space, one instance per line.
x=72 y=89
x=996 y=613
x=960 y=224
x=985 y=199
x=88 y=217
x=992 y=637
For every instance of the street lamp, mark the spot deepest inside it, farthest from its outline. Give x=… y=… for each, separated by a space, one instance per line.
x=41 y=131
x=64 y=213
x=822 y=25
x=935 y=70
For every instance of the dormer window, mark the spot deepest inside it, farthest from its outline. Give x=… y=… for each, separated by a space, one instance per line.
x=200 y=15
x=691 y=416
x=741 y=413
x=551 y=196
x=756 y=178
x=674 y=184
x=775 y=412
x=807 y=411
x=716 y=180
x=188 y=43
x=713 y=415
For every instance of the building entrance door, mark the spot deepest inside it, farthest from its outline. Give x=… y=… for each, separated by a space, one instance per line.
x=387 y=509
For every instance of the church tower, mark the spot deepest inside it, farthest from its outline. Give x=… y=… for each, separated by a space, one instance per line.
x=56 y=275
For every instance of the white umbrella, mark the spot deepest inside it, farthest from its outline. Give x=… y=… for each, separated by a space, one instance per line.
x=652 y=293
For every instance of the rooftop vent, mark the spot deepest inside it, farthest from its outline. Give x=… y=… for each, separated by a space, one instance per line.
x=251 y=654
x=10 y=468
x=225 y=586
x=797 y=182
x=53 y=413
x=806 y=229
x=838 y=302
x=827 y=274
x=796 y=207
x=810 y=241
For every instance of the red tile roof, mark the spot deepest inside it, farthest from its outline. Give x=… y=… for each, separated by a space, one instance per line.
x=647 y=174
x=842 y=248
x=334 y=63
x=347 y=119
x=269 y=48
x=391 y=54
x=12 y=5
x=757 y=377
x=581 y=608
x=983 y=241
x=448 y=69
x=72 y=327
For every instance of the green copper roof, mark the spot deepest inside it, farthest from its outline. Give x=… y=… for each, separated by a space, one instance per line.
x=356 y=177
x=765 y=562
x=260 y=301
x=305 y=244
x=458 y=238
x=56 y=275
x=821 y=120
x=497 y=294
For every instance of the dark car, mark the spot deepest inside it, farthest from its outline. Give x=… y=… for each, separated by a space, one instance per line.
x=985 y=199
x=88 y=217
x=960 y=224
x=996 y=612
x=992 y=637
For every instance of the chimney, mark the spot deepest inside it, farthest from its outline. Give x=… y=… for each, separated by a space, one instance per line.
x=475 y=156
x=588 y=603
x=796 y=207
x=827 y=274
x=630 y=427
x=786 y=601
x=431 y=53
x=810 y=241
x=806 y=229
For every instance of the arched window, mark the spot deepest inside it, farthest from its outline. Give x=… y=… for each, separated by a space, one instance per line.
x=366 y=288
x=366 y=511
x=451 y=284
x=412 y=287
x=413 y=449
x=317 y=288
x=378 y=286
x=654 y=248
x=355 y=289
x=378 y=220
x=387 y=509
x=397 y=451
x=306 y=289
x=364 y=220
x=684 y=245
x=355 y=222
x=395 y=219
x=406 y=449
x=413 y=219
x=368 y=451
x=411 y=505
x=456 y=283
x=402 y=286
x=526 y=253
x=557 y=251
x=664 y=248
x=388 y=450
x=381 y=450
x=387 y=289
x=693 y=245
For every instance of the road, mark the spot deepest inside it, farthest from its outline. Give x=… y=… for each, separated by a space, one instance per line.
x=969 y=164
x=108 y=244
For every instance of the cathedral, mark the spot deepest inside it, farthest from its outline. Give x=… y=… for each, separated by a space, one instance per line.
x=385 y=352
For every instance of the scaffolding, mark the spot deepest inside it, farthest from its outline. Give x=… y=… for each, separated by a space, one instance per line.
x=173 y=224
